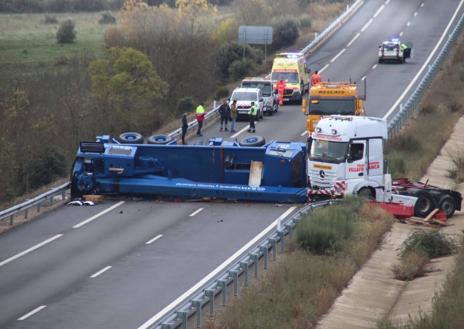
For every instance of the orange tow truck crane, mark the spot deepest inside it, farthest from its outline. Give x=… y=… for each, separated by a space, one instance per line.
x=329 y=98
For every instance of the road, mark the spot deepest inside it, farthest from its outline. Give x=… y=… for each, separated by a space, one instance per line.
x=119 y=263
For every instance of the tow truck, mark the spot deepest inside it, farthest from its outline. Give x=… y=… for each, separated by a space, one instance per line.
x=346 y=158
x=329 y=98
x=394 y=50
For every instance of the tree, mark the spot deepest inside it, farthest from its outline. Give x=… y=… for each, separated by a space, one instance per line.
x=126 y=82
x=66 y=32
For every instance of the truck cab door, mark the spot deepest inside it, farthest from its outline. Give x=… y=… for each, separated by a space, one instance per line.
x=356 y=160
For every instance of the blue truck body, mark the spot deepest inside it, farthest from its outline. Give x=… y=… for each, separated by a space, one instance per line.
x=220 y=170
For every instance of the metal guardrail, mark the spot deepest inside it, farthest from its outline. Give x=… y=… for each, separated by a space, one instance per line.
x=237 y=276
x=410 y=106
x=34 y=202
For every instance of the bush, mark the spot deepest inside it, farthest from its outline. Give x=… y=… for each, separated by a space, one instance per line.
x=222 y=92
x=305 y=21
x=107 y=18
x=457 y=172
x=285 y=32
x=411 y=266
x=326 y=230
x=231 y=52
x=50 y=19
x=48 y=166
x=432 y=243
x=240 y=68
x=185 y=105
x=66 y=33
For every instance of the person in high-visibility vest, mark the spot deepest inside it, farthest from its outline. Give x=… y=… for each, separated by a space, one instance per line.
x=315 y=78
x=200 y=115
x=252 y=113
x=281 y=90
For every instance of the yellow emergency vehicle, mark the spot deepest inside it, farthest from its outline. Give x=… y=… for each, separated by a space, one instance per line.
x=328 y=98
x=291 y=67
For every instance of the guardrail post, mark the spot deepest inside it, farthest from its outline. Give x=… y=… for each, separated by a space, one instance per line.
x=223 y=285
x=234 y=275
x=38 y=207
x=244 y=266
x=26 y=213
x=210 y=295
x=11 y=220
x=63 y=195
x=281 y=235
x=197 y=305
x=166 y=326
x=264 y=250
x=274 y=245
x=256 y=261
x=183 y=316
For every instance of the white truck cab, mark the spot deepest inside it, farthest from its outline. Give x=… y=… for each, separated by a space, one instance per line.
x=346 y=156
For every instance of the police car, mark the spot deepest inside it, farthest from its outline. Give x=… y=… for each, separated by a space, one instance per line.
x=394 y=51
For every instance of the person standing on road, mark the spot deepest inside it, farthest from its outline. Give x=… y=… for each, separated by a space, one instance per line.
x=184 y=125
x=252 y=113
x=224 y=112
x=200 y=115
x=233 y=115
x=315 y=78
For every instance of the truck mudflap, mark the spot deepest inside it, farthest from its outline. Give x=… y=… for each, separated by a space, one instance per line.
x=186 y=189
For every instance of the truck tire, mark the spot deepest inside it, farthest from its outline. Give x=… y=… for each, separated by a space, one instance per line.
x=448 y=205
x=159 y=139
x=425 y=204
x=131 y=138
x=366 y=193
x=253 y=141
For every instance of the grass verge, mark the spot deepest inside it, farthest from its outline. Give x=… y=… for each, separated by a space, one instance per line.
x=304 y=283
x=448 y=309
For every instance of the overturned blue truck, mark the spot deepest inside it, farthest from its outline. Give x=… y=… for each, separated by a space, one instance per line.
x=275 y=172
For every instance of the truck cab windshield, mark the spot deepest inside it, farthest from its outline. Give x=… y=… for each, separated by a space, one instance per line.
x=327 y=151
x=290 y=77
x=319 y=106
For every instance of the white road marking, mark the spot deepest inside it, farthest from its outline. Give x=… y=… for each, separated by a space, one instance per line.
x=196 y=212
x=366 y=25
x=401 y=33
x=413 y=81
x=338 y=55
x=374 y=66
x=240 y=131
x=422 y=4
x=378 y=11
x=31 y=249
x=353 y=40
x=364 y=78
x=154 y=239
x=103 y=270
x=217 y=270
x=31 y=313
x=98 y=215
x=304 y=133
x=415 y=14
x=324 y=68
x=387 y=2
x=408 y=23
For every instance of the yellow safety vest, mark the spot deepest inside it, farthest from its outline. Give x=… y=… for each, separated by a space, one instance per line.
x=200 y=109
x=253 y=111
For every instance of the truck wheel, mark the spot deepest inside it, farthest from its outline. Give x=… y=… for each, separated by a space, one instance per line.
x=366 y=193
x=448 y=205
x=424 y=205
x=159 y=139
x=131 y=138
x=253 y=141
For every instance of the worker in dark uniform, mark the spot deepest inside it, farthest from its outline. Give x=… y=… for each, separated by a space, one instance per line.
x=224 y=112
x=184 y=125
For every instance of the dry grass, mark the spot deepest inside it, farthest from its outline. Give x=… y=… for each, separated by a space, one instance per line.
x=457 y=172
x=302 y=286
x=411 y=266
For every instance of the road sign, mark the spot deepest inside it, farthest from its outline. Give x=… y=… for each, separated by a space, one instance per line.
x=256 y=35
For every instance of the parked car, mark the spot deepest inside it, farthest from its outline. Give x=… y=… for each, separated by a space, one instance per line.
x=271 y=100
x=244 y=98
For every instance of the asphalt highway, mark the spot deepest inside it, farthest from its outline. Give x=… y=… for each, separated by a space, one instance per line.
x=119 y=263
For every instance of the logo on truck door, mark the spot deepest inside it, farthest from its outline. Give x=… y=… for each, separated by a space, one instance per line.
x=357 y=168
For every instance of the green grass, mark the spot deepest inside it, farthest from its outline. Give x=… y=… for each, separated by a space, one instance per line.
x=27 y=42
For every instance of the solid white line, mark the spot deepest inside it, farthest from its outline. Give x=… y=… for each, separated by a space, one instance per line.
x=324 y=68
x=374 y=66
x=408 y=23
x=241 y=131
x=413 y=81
x=364 y=78
x=401 y=33
x=103 y=270
x=98 y=215
x=304 y=133
x=422 y=4
x=415 y=14
x=154 y=239
x=217 y=270
x=387 y=2
x=196 y=212
x=31 y=249
x=338 y=55
x=31 y=313
x=367 y=25
x=353 y=40
x=379 y=11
